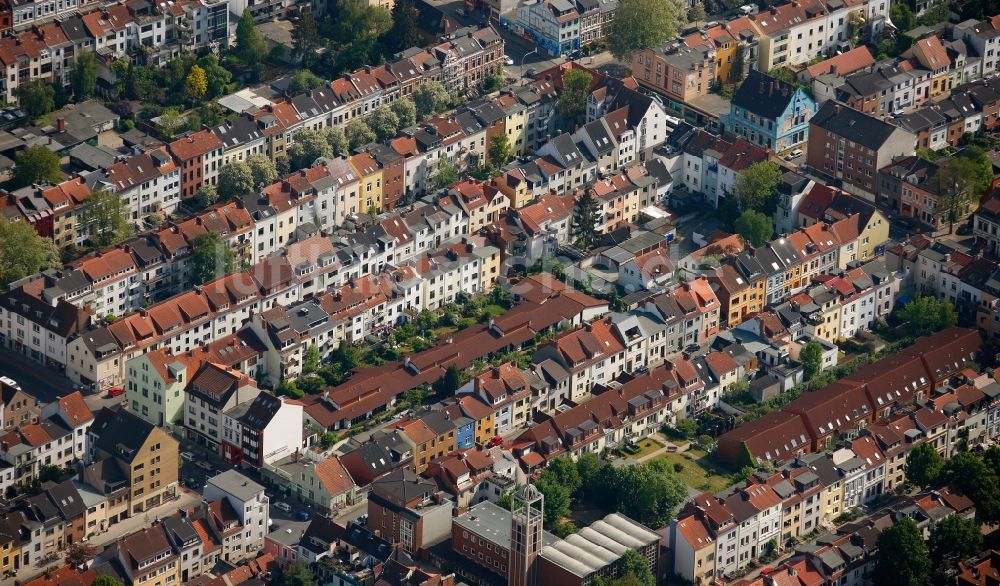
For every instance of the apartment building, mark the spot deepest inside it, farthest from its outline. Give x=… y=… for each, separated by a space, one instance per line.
x=849 y=146
x=139 y=453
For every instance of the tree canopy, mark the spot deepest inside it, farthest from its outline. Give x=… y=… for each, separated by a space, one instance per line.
x=308 y=146
x=923 y=465
x=641 y=24
x=211 y=258
x=296 y=574
x=584 y=227
x=430 y=98
x=499 y=151
x=196 y=83
x=37 y=97
x=572 y=101
x=406 y=111
x=359 y=134
x=250 y=46
x=954 y=539
x=925 y=315
x=36 y=164
x=754 y=227
x=811 y=357
x=83 y=77
x=25 y=252
x=384 y=123
x=106 y=216
x=902 y=557
x=757 y=185
x=262 y=169
x=235 y=178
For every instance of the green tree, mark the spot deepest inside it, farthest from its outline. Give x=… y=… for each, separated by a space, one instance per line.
x=103 y=580
x=686 y=427
x=757 y=185
x=384 y=123
x=298 y=573
x=308 y=146
x=358 y=134
x=697 y=13
x=782 y=73
x=565 y=472
x=262 y=169
x=557 y=497
x=811 y=357
x=406 y=111
x=499 y=152
x=36 y=164
x=327 y=439
x=414 y=398
x=447 y=173
x=337 y=140
x=310 y=359
x=584 y=227
x=923 y=465
x=303 y=80
x=218 y=77
x=449 y=382
x=235 y=179
x=83 y=77
x=24 y=251
x=632 y=563
x=649 y=492
x=959 y=187
x=641 y=24
x=977 y=481
x=902 y=557
x=250 y=46
x=754 y=227
x=430 y=98
x=106 y=215
x=404 y=32
x=572 y=101
x=211 y=258
x=935 y=14
x=736 y=69
x=588 y=466
x=925 y=315
x=36 y=97
x=207 y=195
x=170 y=122
x=902 y=17
x=305 y=39
x=954 y=539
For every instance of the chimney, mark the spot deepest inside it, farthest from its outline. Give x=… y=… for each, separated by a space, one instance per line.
x=61 y=124
x=833 y=69
x=836 y=108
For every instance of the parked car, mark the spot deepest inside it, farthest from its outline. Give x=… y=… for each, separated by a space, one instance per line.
x=187 y=456
x=531 y=72
x=507 y=60
x=283 y=507
x=302 y=515
x=204 y=465
x=116 y=391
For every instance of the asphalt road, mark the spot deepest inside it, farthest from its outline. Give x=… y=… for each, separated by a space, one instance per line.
x=42 y=383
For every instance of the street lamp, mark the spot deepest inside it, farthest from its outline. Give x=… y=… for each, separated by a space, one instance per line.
x=523 y=57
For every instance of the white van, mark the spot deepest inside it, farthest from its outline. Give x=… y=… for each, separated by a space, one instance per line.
x=283 y=507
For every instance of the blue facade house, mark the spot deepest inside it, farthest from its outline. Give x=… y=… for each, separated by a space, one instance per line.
x=771 y=113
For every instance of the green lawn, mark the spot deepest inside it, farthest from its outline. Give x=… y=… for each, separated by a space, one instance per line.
x=699 y=472
x=647 y=446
